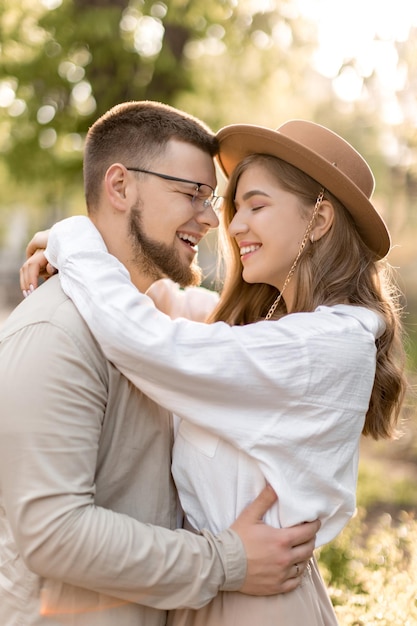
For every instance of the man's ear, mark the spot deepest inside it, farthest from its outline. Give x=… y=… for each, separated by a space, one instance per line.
x=323 y=221
x=116 y=185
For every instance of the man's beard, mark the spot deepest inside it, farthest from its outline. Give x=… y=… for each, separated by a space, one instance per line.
x=158 y=260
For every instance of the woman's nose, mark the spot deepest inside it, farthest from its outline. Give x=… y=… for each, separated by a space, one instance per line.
x=237 y=226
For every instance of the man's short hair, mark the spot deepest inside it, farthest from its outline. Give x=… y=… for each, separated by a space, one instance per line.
x=135 y=133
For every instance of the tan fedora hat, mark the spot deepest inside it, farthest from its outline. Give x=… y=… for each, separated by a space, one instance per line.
x=323 y=155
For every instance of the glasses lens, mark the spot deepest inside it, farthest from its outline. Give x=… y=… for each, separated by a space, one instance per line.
x=217 y=204
x=203 y=197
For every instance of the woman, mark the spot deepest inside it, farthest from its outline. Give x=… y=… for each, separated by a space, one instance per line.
x=282 y=400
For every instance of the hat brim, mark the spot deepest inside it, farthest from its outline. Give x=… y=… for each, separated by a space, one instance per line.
x=238 y=141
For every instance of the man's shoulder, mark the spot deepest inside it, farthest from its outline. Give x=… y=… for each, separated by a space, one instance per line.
x=46 y=327
x=46 y=305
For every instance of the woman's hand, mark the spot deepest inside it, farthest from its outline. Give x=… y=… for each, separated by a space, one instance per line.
x=39 y=241
x=36 y=266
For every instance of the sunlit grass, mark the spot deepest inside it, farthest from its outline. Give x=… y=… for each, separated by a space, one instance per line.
x=371 y=572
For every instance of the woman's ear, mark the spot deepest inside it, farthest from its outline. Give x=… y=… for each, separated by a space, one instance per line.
x=323 y=221
x=116 y=183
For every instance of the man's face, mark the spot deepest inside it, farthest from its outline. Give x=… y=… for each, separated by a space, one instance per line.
x=165 y=226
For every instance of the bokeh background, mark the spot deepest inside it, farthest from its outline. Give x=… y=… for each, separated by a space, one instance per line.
x=349 y=64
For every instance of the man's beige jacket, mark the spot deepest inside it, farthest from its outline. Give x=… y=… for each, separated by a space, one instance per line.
x=86 y=495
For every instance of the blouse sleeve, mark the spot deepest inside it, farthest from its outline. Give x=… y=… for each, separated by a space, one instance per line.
x=268 y=388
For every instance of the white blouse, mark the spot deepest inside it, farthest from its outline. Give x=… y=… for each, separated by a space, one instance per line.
x=280 y=401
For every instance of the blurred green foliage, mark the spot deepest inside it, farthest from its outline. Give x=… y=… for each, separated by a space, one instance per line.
x=68 y=65
x=65 y=62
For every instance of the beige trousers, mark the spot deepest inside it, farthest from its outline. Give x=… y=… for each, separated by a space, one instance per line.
x=308 y=605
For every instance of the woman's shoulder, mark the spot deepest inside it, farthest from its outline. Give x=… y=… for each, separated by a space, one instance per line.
x=339 y=318
x=349 y=314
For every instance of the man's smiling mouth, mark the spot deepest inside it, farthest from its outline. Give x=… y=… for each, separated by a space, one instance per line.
x=191 y=240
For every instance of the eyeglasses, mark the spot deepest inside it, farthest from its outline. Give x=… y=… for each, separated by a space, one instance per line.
x=203 y=197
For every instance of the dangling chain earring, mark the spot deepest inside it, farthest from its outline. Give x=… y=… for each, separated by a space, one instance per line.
x=302 y=246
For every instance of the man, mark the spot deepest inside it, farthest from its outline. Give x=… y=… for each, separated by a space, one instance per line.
x=87 y=502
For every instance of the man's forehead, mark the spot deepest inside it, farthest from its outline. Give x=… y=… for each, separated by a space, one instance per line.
x=188 y=161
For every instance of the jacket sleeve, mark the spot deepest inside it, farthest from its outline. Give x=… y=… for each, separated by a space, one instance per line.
x=49 y=435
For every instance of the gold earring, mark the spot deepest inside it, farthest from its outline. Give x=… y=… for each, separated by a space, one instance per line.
x=312 y=237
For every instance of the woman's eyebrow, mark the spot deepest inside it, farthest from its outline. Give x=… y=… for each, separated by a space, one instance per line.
x=254 y=192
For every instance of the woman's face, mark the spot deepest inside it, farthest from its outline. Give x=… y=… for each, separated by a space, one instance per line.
x=268 y=227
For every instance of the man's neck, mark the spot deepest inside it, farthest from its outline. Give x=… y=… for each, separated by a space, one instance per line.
x=139 y=279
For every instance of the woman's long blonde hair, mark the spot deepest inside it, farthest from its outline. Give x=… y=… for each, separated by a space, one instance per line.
x=339 y=268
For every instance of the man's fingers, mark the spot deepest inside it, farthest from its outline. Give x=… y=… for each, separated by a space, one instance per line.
x=262 y=503
x=303 y=533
